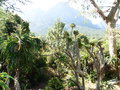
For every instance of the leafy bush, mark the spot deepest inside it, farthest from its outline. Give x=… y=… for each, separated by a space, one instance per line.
x=70 y=83
x=106 y=86
x=38 y=70
x=55 y=84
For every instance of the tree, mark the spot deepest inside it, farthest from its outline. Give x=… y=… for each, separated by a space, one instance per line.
x=19 y=51
x=98 y=58
x=67 y=49
x=12 y=23
x=109 y=14
x=19 y=47
x=10 y=27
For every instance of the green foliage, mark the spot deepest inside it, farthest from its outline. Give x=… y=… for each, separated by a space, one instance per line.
x=25 y=27
x=84 y=40
x=3 y=79
x=67 y=55
x=13 y=24
x=37 y=73
x=57 y=63
x=24 y=24
x=92 y=76
x=70 y=83
x=91 y=33
x=55 y=84
x=72 y=25
x=55 y=37
x=10 y=27
x=107 y=86
x=19 y=49
x=75 y=32
x=51 y=62
x=66 y=34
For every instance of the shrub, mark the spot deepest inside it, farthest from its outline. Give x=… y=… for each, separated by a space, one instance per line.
x=55 y=84
x=70 y=83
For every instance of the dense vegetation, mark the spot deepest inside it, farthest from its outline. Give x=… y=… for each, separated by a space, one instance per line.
x=63 y=59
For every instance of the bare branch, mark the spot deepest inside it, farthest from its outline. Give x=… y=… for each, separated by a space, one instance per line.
x=107 y=10
x=98 y=9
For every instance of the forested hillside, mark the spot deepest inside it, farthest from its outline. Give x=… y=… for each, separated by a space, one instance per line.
x=67 y=57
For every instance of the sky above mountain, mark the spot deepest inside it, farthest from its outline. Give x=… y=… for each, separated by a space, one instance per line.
x=41 y=14
x=46 y=5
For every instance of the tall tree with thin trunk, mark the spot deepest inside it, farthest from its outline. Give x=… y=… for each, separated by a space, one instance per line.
x=108 y=12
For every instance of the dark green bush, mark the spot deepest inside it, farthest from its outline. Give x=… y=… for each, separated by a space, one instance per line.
x=55 y=84
x=70 y=83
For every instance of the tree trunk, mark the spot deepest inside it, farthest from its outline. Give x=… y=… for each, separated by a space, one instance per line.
x=77 y=80
x=111 y=39
x=98 y=80
x=97 y=65
x=83 y=83
x=119 y=72
x=112 y=43
x=8 y=81
x=16 y=83
x=117 y=65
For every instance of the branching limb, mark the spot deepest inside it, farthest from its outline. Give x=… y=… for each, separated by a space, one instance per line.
x=98 y=9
